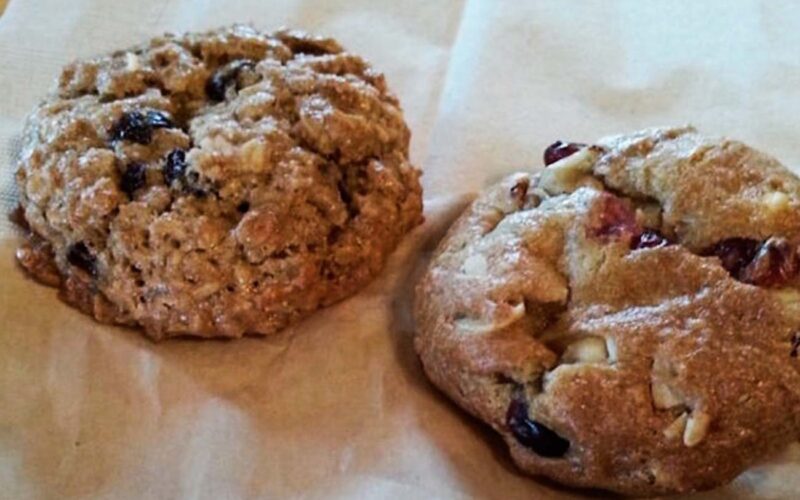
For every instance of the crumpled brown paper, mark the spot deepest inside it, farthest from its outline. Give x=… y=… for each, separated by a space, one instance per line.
x=338 y=407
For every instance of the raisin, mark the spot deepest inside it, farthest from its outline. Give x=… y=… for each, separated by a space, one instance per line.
x=650 y=238
x=217 y=86
x=771 y=263
x=532 y=434
x=560 y=150
x=79 y=256
x=734 y=253
x=795 y=345
x=137 y=126
x=158 y=119
x=775 y=264
x=175 y=166
x=243 y=207
x=133 y=178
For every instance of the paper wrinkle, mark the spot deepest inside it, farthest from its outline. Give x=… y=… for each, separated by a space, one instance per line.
x=338 y=406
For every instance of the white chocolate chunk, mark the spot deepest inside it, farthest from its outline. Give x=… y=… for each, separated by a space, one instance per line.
x=475 y=265
x=586 y=350
x=483 y=326
x=565 y=175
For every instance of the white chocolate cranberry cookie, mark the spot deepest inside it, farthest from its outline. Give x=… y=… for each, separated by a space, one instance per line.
x=627 y=319
x=215 y=184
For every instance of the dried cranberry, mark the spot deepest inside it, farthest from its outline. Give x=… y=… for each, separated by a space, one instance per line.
x=137 y=126
x=175 y=166
x=775 y=263
x=615 y=220
x=734 y=253
x=133 y=178
x=649 y=238
x=79 y=256
x=217 y=86
x=795 y=345
x=771 y=263
x=560 y=150
x=532 y=434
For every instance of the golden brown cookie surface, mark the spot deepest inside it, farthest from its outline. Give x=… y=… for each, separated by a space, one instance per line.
x=628 y=318
x=216 y=184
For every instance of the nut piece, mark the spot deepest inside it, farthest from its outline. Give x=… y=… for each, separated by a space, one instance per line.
x=662 y=389
x=696 y=428
x=676 y=429
x=586 y=350
x=253 y=155
x=132 y=62
x=664 y=397
x=503 y=317
x=206 y=290
x=611 y=348
x=776 y=201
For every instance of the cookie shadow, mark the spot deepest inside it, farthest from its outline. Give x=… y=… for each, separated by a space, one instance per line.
x=166 y=401
x=401 y=324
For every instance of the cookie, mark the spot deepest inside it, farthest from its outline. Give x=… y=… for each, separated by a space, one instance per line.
x=215 y=184
x=628 y=318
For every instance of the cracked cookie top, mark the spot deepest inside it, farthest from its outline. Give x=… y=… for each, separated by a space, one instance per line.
x=629 y=317
x=215 y=184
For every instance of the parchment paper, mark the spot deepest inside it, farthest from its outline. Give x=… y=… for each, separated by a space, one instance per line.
x=337 y=407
